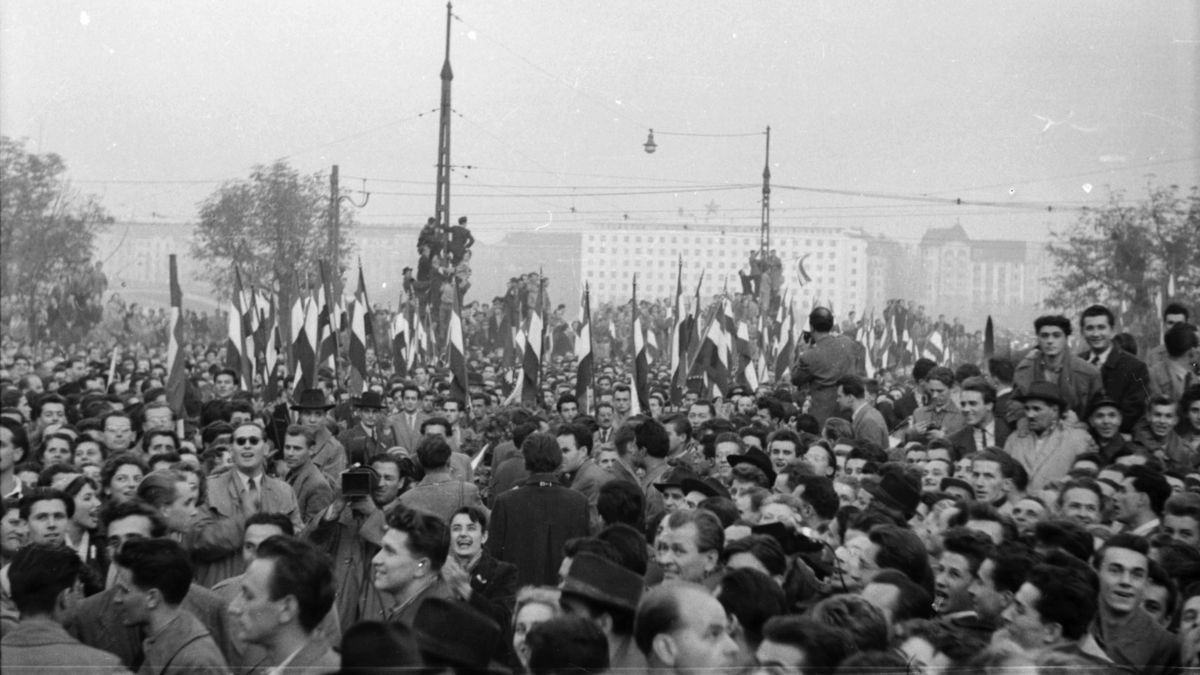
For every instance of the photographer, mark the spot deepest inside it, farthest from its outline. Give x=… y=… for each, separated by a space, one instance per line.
x=350 y=531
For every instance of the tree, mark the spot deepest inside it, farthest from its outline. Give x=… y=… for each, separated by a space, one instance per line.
x=47 y=229
x=274 y=227
x=1125 y=255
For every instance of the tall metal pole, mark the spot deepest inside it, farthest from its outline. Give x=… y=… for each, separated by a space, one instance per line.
x=442 y=208
x=334 y=219
x=765 y=234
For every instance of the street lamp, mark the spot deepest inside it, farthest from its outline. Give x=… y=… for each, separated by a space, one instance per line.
x=650 y=145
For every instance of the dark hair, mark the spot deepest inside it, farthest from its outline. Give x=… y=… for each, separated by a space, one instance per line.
x=597 y=547
x=912 y=602
x=710 y=535
x=1179 y=339
x=1152 y=483
x=657 y=613
x=941 y=374
x=1065 y=534
x=39 y=573
x=652 y=436
x=273 y=519
x=766 y=549
x=474 y=513
x=1125 y=540
x=567 y=644
x=45 y=494
x=1055 y=320
x=435 y=422
x=820 y=494
x=1001 y=369
x=115 y=462
x=723 y=508
x=1157 y=575
x=114 y=511
x=583 y=437
x=864 y=623
x=158 y=488
x=542 y=454
x=820 y=320
x=1066 y=598
x=1097 y=310
x=307 y=433
x=565 y=398
x=428 y=535
x=302 y=571
x=158 y=563
x=753 y=597
x=620 y=501
x=679 y=422
x=852 y=385
x=973 y=545
x=629 y=543
x=20 y=437
x=981 y=386
x=1011 y=565
x=1177 y=308
x=433 y=452
x=902 y=549
x=824 y=646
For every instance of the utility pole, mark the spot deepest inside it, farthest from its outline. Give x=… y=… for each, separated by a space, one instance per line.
x=442 y=208
x=765 y=233
x=334 y=219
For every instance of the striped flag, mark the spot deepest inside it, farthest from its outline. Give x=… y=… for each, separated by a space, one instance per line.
x=457 y=356
x=360 y=312
x=304 y=348
x=639 y=383
x=177 y=368
x=400 y=338
x=712 y=359
x=531 y=362
x=783 y=359
x=935 y=346
x=743 y=351
x=583 y=354
x=327 y=323
x=236 y=357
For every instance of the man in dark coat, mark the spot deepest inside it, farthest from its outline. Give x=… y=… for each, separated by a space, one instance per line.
x=1126 y=379
x=372 y=435
x=475 y=576
x=821 y=366
x=531 y=523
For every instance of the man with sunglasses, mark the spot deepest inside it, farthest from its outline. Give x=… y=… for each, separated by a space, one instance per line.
x=234 y=496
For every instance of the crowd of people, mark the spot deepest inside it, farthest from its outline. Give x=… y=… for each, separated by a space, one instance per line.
x=1035 y=508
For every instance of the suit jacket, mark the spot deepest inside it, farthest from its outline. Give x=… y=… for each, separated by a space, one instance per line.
x=819 y=367
x=440 y=494
x=963 y=440
x=182 y=647
x=1079 y=382
x=868 y=424
x=494 y=588
x=407 y=434
x=361 y=448
x=1055 y=456
x=96 y=621
x=329 y=455
x=1126 y=381
x=216 y=541
x=531 y=523
x=313 y=491
x=1140 y=644
x=587 y=479
x=1165 y=380
x=241 y=655
x=43 y=647
x=315 y=658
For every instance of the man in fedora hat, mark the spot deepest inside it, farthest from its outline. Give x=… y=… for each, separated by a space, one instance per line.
x=607 y=594
x=1048 y=447
x=371 y=436
x=453 y=635
x=312 y=410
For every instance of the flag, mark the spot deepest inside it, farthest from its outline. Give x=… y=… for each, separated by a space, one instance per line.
x=400 y=338
x=236 y=341
x=457 y=353
x=360 y=312
x=712 y=359
x=787 y=350
x=176 y=365
x=583 y=354
x=418 y=353
x=677 y=321
x=803 y=274
x=304 y=348
x=989 y=339
x=327 y=323
x=935 y=346
x=531 y=362
x=639 y=384
x=747 y=373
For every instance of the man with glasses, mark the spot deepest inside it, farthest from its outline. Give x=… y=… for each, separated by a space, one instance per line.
x=234 y=496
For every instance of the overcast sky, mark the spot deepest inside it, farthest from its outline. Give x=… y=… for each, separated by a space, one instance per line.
x=153 y=103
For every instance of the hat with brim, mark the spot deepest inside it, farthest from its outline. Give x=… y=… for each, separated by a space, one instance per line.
x=758 y=458
x=454 y=634
x=896 y=493
x=952 y=482
x=674 y=479
x=599 y=580
x=707 y=487
x=312 y=399
x=790 y=541
x=1102 y=402
x=370 y=399
x=1042 y=391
